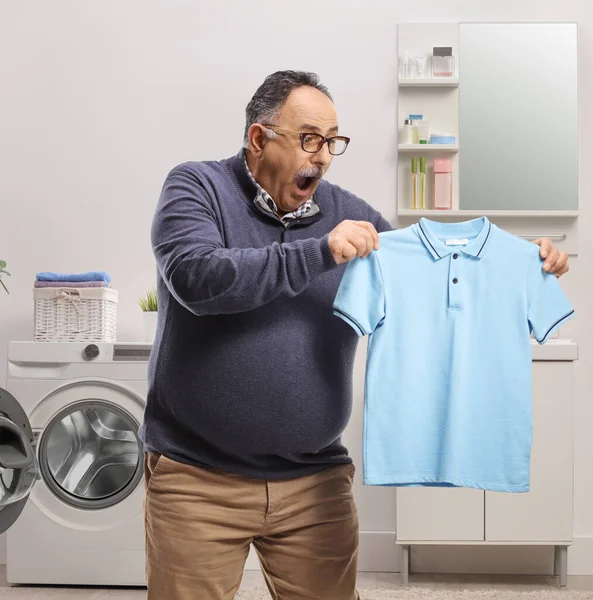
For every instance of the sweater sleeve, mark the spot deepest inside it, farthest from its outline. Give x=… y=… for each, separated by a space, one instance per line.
x=206 y=277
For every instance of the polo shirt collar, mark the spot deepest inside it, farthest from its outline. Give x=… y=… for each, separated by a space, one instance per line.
x=433 y=234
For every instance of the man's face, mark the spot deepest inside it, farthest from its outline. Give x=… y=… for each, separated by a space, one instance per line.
x=280 y=164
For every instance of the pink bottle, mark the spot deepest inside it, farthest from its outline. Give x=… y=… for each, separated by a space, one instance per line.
x=442 y=190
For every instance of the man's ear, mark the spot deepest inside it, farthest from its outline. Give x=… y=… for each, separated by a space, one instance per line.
x=257 y=139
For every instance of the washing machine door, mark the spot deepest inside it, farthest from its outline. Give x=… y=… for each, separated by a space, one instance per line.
x=19 y=469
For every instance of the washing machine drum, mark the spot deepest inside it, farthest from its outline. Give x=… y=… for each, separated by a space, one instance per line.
x=90 y=455
x=18 y=464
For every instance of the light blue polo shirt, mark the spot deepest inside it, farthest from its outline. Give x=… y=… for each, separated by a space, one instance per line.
x=449 y=309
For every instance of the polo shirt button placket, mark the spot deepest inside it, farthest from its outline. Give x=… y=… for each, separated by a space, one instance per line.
x=454 y=290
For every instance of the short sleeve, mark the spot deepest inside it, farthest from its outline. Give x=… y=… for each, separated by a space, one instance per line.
x=360 y=300
x=548 y=307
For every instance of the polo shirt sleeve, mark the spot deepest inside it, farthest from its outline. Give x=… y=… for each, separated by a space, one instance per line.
x=360 y=300
x=548 y=307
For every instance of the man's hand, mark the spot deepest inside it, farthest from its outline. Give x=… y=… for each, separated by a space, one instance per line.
x=351 y=239
x=555 y=261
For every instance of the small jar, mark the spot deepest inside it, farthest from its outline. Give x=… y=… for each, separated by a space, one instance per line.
x=443 y=62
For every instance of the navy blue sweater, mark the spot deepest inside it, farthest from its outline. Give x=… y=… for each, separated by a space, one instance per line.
x=250 y=372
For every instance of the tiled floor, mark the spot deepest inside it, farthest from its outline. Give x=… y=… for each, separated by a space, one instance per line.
x=365 y=581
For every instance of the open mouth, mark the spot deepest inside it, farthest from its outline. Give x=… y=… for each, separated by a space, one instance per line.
x=305 y=183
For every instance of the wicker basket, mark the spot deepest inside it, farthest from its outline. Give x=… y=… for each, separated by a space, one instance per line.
x=68 y=314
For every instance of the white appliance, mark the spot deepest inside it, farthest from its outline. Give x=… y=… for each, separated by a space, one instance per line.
x=69 y=449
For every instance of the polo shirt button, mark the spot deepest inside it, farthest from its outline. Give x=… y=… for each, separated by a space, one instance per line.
x=455 y=280
x=455 y=255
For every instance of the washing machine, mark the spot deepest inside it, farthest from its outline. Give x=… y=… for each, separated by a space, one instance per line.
x=71 y=466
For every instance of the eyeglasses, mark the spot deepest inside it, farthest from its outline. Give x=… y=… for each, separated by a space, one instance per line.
x=313 y=142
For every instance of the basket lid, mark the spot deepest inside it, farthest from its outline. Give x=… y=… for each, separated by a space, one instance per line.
x=75 y=293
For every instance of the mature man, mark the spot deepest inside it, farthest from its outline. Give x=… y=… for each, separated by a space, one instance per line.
x=251 y=375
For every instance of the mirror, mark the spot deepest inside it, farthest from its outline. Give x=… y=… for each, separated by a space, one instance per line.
x=518 y=116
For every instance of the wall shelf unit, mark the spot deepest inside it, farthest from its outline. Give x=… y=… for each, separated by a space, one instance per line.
x=434 y=98
x=429 y=83
x=428 y=148
x=440 y=101
x=487 y=213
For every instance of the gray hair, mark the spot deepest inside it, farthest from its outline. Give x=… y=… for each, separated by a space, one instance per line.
x=270 y=97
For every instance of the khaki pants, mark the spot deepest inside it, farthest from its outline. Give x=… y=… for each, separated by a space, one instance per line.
x=200 y=523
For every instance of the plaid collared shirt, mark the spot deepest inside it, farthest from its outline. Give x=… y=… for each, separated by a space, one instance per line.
x=266 y=201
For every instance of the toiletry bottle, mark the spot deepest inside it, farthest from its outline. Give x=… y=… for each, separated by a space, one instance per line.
x=422 y=180
x=407 y=67
x=421 y=61
x=443 y=62
x=422 y=128
x=414 y=183
x=408 y=137
x=442 y=190
x=403 y=66
x=416 y=120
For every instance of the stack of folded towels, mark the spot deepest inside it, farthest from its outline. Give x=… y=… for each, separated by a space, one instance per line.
x=92 y=279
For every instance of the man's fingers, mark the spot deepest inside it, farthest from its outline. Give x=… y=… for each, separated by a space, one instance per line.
x=366 y=240
x=545 y=245
x=560 y=266
x=349 y=251
x=361 y=239
x=353 y=238
x=550 y=262
x=361 y=242
x=345 y=250
x=370 y=234
x=370 y=227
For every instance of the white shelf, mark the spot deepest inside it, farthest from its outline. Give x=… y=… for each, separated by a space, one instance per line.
x=409 y=212
x=484 y=542
x=438 y=83
x=432 y=148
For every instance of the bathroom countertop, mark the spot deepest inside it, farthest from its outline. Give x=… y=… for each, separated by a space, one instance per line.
x=555 y=349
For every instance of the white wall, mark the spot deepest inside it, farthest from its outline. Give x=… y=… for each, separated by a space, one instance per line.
x=100 y=100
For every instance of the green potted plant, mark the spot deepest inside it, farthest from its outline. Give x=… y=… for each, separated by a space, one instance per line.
x=149 y=305
x=3 y=272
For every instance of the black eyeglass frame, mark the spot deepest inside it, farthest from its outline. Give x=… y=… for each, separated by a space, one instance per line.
x=322 y=139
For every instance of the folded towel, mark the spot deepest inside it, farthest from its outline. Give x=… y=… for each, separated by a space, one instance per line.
x=71 y=284
x=90 y=276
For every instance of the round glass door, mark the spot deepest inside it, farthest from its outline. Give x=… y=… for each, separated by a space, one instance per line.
x=90 y=455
